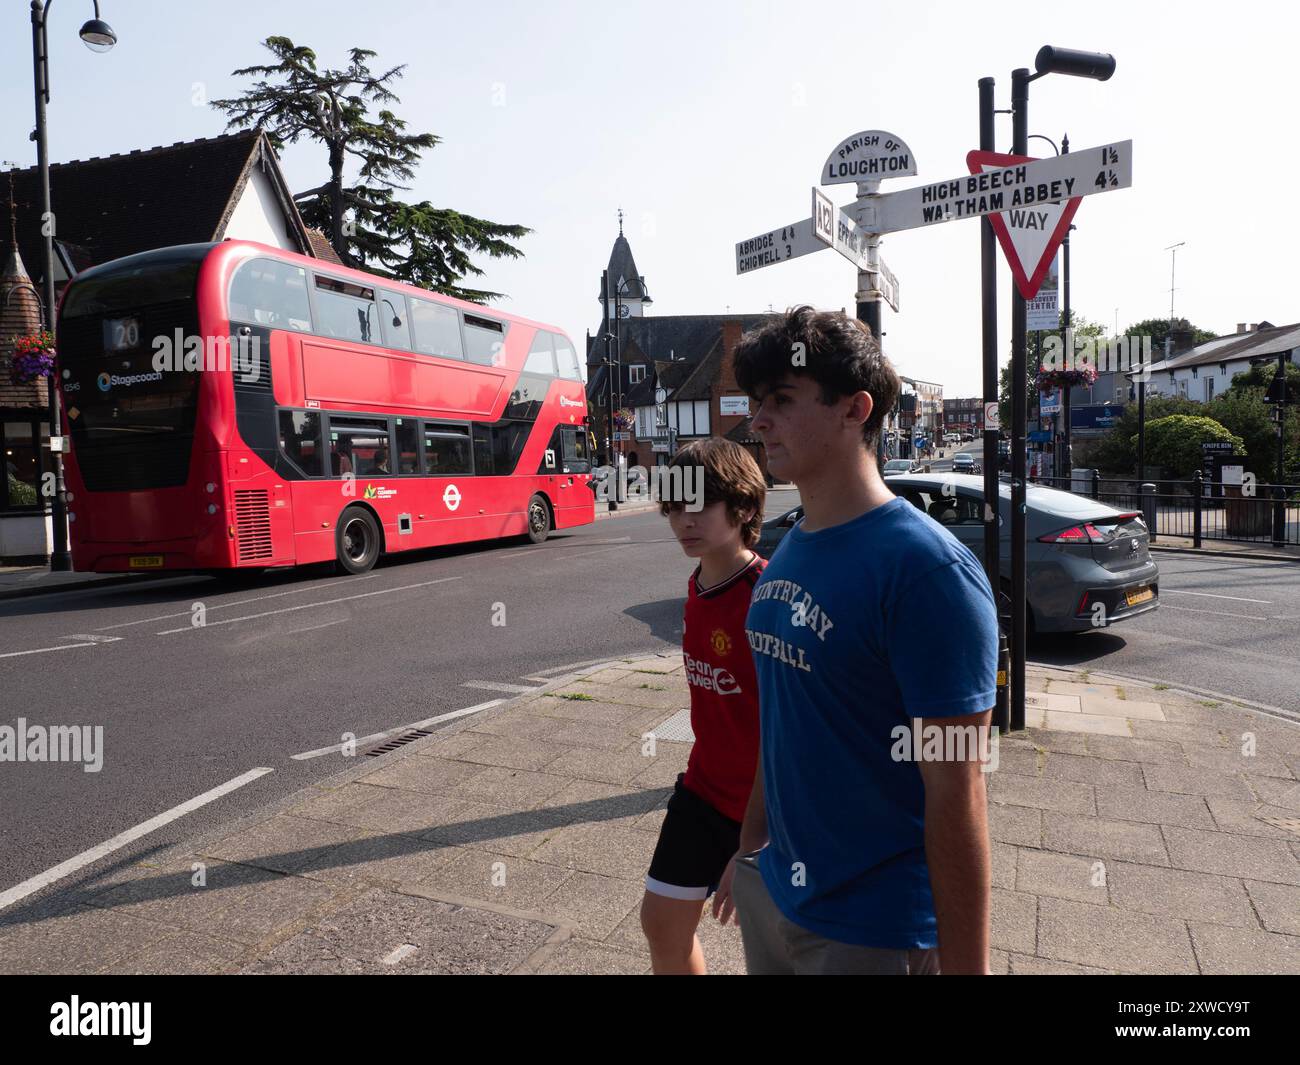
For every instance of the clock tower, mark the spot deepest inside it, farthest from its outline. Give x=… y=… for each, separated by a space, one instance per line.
x=627 y=295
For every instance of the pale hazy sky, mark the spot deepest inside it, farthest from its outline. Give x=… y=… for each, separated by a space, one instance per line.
x=708 y=123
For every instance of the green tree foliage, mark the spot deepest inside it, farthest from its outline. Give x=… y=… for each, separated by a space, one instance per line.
x=1175 y=442
x=413 y=242
x=1115 y=453
x=1158 y=328
x=1261 y=375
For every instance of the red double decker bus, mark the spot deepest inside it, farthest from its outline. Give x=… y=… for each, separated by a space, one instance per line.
x=235 y=405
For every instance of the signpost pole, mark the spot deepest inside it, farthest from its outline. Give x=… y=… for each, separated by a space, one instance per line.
x=989 y=314
x=1019 y=146
x=1065 y=463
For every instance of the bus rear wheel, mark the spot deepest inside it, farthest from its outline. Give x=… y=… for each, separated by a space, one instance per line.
x=539 y=519
x=356 y=541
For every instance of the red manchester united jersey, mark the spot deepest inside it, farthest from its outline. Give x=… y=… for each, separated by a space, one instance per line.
x=724 y=691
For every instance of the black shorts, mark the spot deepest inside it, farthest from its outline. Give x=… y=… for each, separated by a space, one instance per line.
x=695 y=844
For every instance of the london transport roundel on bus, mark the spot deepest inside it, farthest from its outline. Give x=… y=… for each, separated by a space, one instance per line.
x=451 y=497
x=1029 y=235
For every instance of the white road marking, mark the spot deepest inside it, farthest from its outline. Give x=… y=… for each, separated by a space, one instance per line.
x=85 y=858
x=307 y=606
x=1216 y=613
x=398 y=953
x=313 y=628
x=94 y=639
x=43 y=650
x=498 y=686
x=1211 y=595
x=240 y=602
x=366 y=740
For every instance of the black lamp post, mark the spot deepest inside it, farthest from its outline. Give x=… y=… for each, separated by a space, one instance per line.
x=1049 y=60
x=99 y=37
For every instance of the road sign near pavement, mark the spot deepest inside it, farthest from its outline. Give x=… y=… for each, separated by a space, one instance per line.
x=777 y=246
x=1022 y=185
x=868 y=156
x=1029 y=235
x=886 y=284
x=837 y=229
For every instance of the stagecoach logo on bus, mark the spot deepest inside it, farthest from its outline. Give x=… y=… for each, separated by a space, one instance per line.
x=565 y=401
x=179 y=352
x=107 y=381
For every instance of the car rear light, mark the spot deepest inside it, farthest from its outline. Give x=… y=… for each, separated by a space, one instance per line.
x=1087 y=533
x=1083 y=604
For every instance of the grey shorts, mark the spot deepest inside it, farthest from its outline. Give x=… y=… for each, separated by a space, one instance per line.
x=775 y=946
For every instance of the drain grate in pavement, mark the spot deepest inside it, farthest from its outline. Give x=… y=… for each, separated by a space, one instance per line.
x=398 y=741
x=677 y=728
x=1286 y=824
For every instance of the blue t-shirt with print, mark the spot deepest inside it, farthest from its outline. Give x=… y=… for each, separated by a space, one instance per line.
x=856 y=630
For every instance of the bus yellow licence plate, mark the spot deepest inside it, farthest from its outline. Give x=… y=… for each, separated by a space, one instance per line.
x=146 y=561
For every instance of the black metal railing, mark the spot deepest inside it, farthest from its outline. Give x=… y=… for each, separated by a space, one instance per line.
x=1198 y=509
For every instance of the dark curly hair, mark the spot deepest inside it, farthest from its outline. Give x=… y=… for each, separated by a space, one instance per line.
x=838 y=352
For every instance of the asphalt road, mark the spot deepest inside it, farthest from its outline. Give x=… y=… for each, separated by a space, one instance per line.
x=291 y=663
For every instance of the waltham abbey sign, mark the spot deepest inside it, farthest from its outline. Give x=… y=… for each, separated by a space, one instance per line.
x=868 y=156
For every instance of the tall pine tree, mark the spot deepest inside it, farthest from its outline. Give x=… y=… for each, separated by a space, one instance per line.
x=367 y=224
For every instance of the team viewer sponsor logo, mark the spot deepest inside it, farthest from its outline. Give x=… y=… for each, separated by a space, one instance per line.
x=709 y=677
x=103 y=1018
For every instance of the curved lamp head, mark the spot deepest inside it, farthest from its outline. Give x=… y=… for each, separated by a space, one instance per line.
x=1096 y=65
x=98 y=35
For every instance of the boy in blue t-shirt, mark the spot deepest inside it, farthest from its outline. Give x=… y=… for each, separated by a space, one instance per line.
x=864 y=847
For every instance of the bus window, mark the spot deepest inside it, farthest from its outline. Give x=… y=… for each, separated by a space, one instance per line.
x=540 y=357
x=567 y=359
x=446 y=449
x=345 y=310
x=359 y=446
x=576 y=457
x=270 y=293
x=435 y=328
x=392 y=320
x=485 y=340
x=408 y=445
x=300 y=440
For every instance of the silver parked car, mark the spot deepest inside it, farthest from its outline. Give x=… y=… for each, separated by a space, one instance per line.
x=1081 y=553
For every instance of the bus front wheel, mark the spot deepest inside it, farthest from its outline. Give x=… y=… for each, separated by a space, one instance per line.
x=539 y=519
x=356 y=540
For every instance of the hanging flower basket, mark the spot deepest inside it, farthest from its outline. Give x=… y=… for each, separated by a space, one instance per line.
x=1049 y=380
x=623 y=418
x=33 y=357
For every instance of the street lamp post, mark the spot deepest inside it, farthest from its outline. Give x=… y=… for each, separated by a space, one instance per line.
x=1049 y=60
x=99 y=37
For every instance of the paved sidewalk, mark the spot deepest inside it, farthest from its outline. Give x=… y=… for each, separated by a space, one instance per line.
x=18 y=582
x=1228 y=548
x=1134 y=830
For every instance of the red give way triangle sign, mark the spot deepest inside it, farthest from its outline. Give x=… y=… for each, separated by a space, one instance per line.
x=1031 y=234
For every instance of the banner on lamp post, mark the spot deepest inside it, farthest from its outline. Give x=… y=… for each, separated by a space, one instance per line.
x=1043 y=311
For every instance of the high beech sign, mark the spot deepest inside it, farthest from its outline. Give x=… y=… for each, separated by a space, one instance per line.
x=1029 y=235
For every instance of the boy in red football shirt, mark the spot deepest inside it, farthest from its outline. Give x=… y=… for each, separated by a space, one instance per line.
x=701 y=830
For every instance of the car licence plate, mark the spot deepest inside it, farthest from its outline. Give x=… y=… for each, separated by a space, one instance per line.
x=1141 y=595
x=146 y=561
